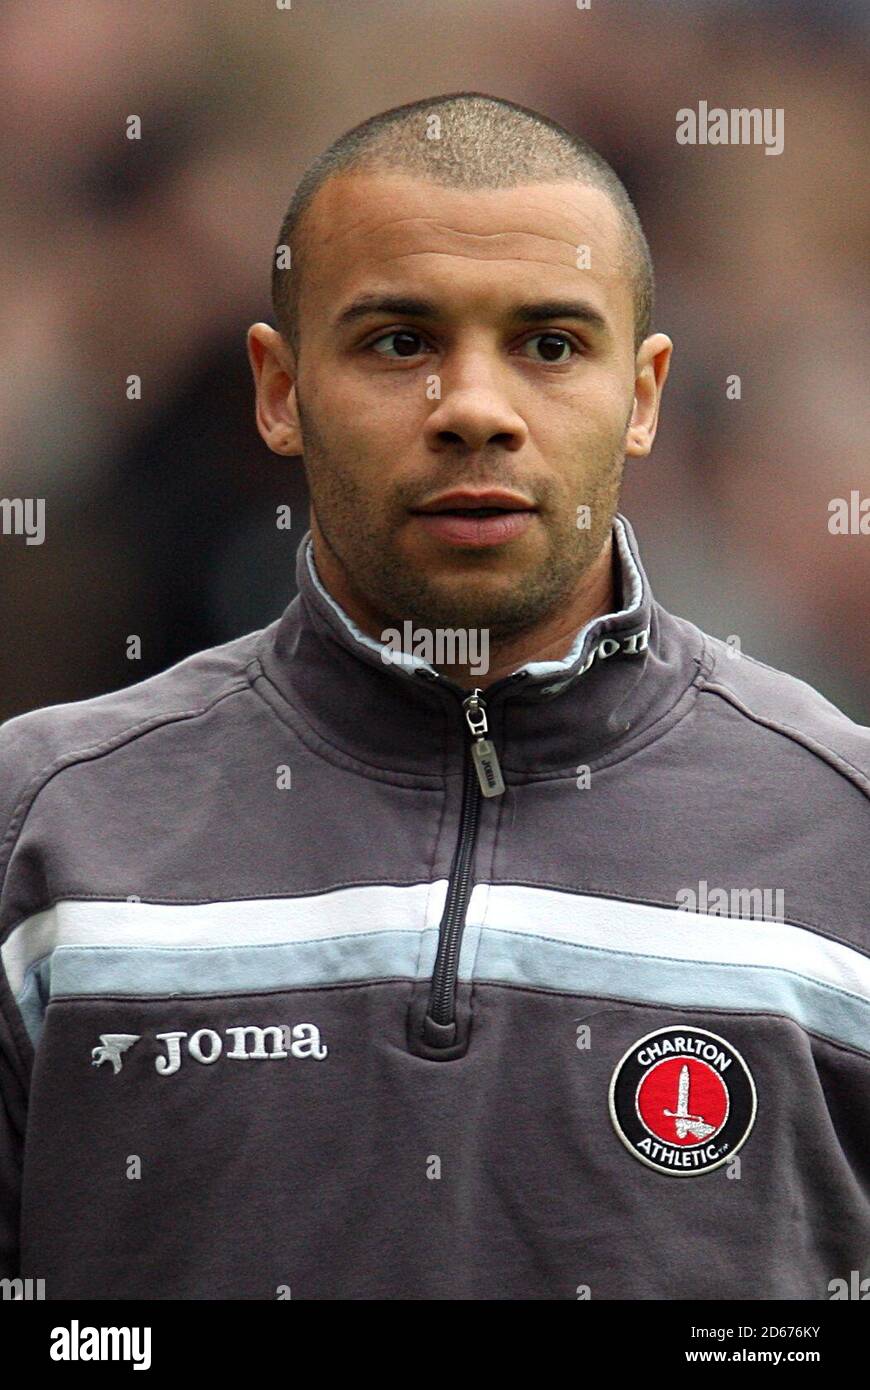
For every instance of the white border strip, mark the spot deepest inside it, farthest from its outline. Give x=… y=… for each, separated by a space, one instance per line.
x=246 y=922
x=611 y=924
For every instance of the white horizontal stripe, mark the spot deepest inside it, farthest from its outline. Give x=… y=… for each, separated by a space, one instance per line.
x=246 y=922
x=605 y=924
x=611 y=924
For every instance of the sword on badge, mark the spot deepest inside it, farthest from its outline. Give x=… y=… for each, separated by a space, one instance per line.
x=686 y=1123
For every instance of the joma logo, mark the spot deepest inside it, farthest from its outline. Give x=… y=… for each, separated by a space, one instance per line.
x=249 y=1043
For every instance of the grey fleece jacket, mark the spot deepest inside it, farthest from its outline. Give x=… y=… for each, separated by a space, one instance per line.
x=297 y=999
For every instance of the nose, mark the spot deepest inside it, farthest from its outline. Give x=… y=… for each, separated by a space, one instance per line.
x=474 y=409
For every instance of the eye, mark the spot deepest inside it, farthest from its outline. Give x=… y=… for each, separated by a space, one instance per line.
x=552 y=347
x=406 y=343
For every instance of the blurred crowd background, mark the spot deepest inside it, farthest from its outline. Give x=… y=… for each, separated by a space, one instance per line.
x=152 y=257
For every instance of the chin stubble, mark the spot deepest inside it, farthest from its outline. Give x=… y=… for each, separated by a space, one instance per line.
x=398 y=591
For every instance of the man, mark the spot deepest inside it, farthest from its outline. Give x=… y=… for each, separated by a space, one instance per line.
x=478 y=929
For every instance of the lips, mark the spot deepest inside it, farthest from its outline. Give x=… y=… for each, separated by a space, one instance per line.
x=464 y=502
x=474 y=521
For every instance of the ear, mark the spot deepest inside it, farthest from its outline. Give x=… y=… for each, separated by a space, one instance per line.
x=274 y=367
x=651 y=372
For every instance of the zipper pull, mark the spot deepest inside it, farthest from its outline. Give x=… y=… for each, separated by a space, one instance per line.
x=483 y=753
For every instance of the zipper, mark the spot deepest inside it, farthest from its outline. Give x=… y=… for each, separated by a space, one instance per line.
x=483 y=778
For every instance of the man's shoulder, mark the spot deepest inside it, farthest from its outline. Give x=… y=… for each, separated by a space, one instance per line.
x=781 y=706
x=41 y=743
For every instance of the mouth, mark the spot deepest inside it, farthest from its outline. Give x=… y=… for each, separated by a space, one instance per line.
x=467 y=519
x=487 y=501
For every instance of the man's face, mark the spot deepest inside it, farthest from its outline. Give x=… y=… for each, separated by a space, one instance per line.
x=509 y=365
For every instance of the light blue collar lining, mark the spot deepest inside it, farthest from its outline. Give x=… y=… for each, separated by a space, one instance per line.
x=630 y=579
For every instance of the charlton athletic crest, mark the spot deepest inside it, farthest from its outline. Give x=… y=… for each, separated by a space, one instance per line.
x=682 y=1100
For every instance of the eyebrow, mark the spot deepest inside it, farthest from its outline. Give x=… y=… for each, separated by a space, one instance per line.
x=532 y=312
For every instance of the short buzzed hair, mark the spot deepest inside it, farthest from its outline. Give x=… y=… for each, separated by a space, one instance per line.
x=482 y=142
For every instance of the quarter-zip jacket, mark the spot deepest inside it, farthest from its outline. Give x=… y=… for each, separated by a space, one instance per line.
x=323 y=975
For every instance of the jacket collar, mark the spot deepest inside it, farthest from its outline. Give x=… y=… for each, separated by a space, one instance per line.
x=623 y=671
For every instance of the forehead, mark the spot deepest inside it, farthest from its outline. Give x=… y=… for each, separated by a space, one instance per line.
x=394 y=228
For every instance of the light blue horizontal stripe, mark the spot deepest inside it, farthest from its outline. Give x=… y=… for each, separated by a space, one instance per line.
x=77 y=970
x=497 y=957
x=34 y=997
x=522 y=959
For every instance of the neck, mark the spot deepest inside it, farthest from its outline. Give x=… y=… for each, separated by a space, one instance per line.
x=547 y=640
